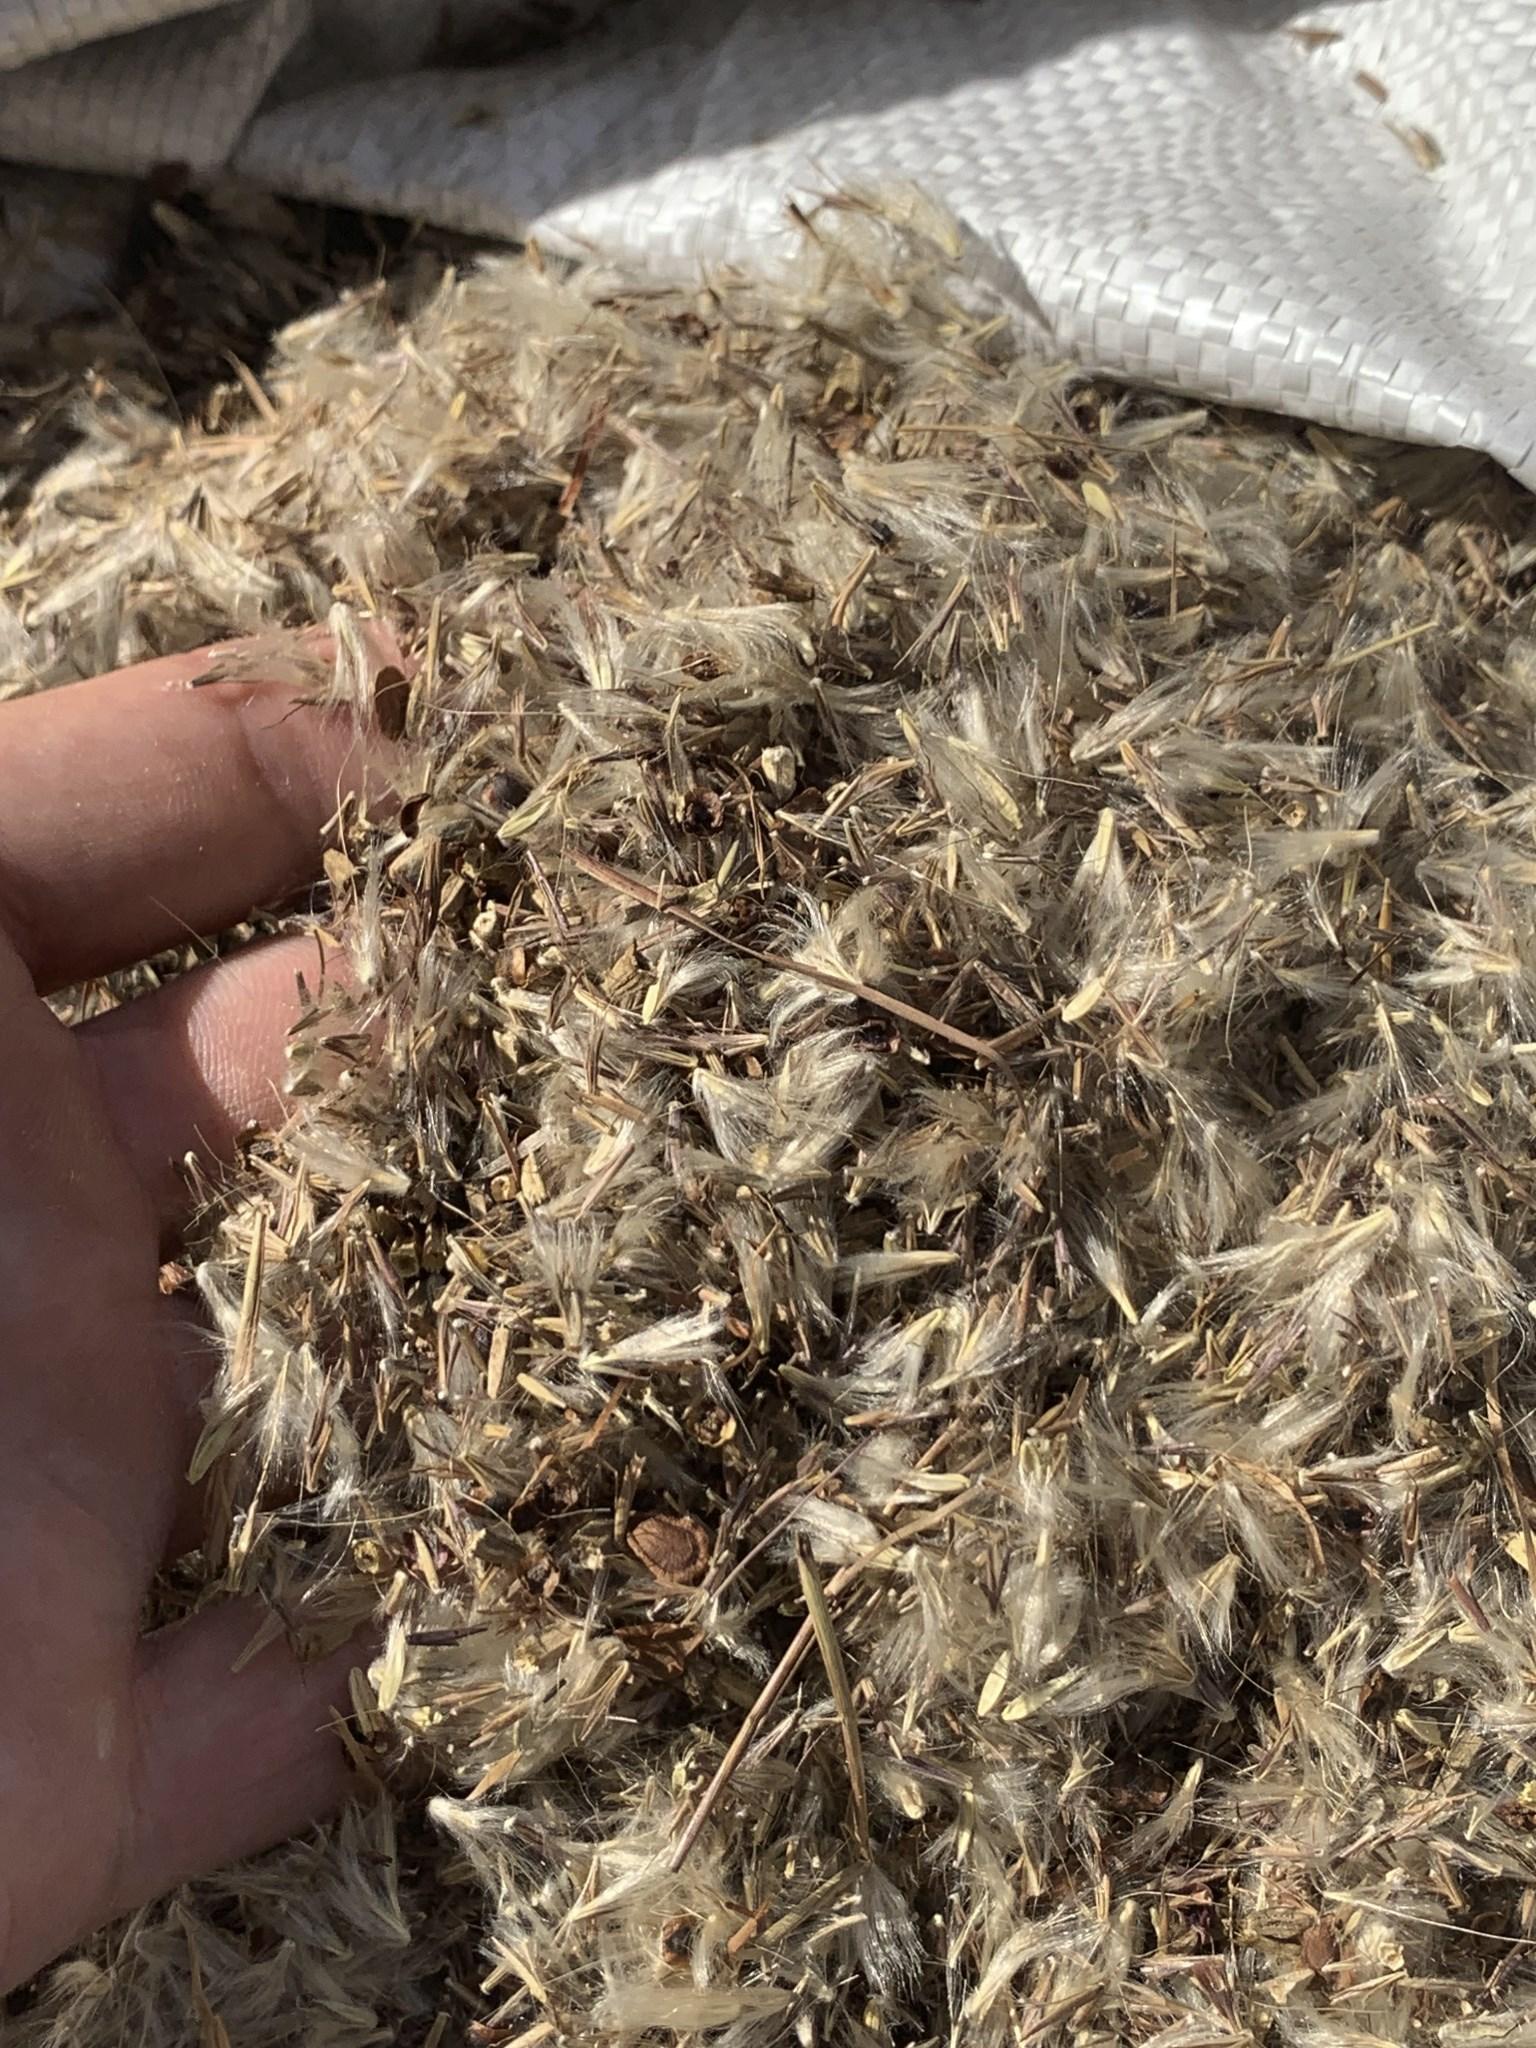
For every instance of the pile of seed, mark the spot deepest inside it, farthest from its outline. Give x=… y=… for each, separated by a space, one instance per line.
x=907 y=1271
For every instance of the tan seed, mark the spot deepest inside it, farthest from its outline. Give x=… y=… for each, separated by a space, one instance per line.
x=671 y=1547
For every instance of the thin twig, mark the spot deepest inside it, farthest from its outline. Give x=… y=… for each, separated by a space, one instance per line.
x=789 y=1663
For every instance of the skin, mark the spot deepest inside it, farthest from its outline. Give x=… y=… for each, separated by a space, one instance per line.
x=134 y=808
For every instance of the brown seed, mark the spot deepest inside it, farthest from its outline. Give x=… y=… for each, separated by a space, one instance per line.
x=671 y=1547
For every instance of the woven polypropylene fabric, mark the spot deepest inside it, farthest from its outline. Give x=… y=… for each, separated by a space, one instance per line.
x=178 y=92
x=1329 y=213
x=41 y=28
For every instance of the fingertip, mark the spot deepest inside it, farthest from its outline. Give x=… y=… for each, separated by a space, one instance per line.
x=284 y=685
x=175 y=797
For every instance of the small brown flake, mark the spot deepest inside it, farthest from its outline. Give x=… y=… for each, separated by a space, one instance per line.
x=703 y=810
x=391 y=700
x=677 y=1942
x=674 y=1548
x=1319 y=1946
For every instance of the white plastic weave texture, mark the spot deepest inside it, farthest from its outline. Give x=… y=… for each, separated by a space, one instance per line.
x=1330 y=213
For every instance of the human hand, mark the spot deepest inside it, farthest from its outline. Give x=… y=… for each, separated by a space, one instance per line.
x=134 y=809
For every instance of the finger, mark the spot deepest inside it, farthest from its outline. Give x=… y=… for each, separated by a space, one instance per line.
x=60 y=1186
x=93 y=1397
x=233 y=1760
x=135 y=809
x=190 y=1067
x=177 y=1520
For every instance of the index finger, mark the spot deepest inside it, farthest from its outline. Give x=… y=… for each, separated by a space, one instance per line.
x=137 y=809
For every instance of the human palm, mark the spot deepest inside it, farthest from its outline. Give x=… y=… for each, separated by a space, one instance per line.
x=133 y=809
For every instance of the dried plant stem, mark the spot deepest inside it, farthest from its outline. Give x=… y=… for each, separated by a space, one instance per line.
x=741 y=1742
x=842 y=1694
